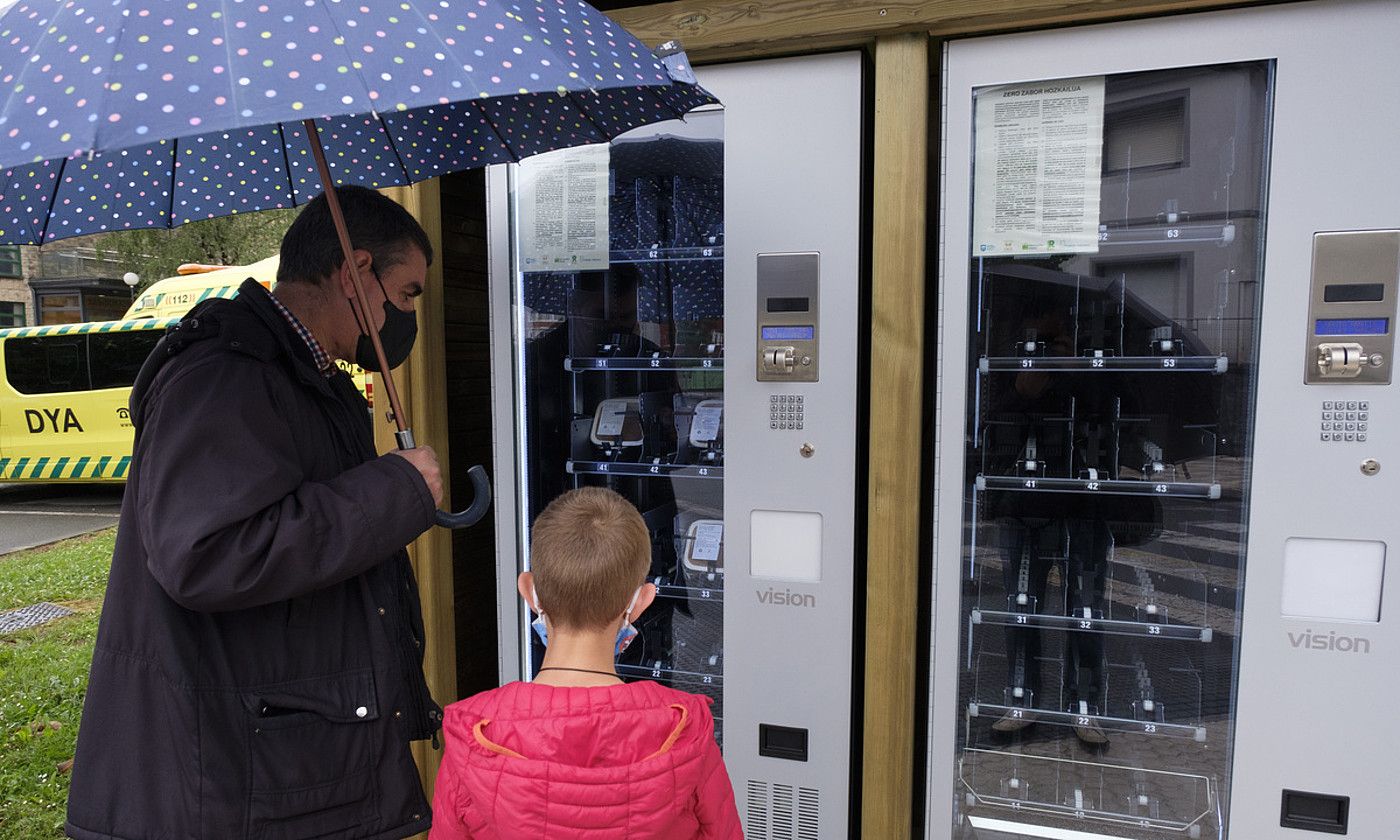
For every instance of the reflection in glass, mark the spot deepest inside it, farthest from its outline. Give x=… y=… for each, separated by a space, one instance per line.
x=623 y=386
x=1108 y=442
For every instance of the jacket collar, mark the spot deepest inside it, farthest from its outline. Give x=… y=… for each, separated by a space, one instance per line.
x=258 y=300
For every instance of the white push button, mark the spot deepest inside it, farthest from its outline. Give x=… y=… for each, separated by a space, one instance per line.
x=1333 y=579
x=785 y=545
x=361 y=712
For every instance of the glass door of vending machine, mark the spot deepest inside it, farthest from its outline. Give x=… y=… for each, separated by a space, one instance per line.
x=1101 y=319
x=617 y=290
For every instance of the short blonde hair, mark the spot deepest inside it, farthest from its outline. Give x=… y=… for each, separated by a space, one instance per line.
x=590 y=550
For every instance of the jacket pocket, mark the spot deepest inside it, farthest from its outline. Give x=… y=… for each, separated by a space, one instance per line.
x=330 y=810
x=313 y=751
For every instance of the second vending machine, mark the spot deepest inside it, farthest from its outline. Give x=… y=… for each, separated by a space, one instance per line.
x=674 y=318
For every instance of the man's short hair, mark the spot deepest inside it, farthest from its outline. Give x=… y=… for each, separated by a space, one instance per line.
x=311 y=249
x=589 y=552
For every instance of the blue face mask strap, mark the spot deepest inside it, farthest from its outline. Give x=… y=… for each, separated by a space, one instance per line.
x=625 y=634
x=538 y=625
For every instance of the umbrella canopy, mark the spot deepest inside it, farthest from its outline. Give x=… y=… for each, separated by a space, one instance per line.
x=155 y=113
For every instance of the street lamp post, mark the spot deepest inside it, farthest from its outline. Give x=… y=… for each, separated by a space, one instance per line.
x=131 y=279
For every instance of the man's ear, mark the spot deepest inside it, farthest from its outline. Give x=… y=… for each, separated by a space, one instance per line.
x=363 y=260
x=342 y=281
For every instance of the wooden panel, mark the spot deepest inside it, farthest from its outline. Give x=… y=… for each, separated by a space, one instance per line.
x=721 y=29
x=421 y=380
x=896 y=426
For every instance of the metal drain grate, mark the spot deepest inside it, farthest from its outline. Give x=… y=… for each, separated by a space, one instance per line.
x=12 y=621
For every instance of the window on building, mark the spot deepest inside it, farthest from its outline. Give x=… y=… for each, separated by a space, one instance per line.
x=1145 y=134
x=101 y=307
x=11 y=314
x=64 y=308
x=9 y=261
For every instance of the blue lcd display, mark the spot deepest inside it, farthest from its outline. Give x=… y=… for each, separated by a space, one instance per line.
x=789 y=333
x=1352 y=326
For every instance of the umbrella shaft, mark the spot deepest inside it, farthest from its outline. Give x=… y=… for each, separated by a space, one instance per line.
x=360 y=301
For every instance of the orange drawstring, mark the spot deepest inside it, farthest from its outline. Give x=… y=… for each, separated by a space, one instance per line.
x=487 y=744
x=675 y=733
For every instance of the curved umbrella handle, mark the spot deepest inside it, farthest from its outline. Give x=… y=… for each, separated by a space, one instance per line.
x=481 y=500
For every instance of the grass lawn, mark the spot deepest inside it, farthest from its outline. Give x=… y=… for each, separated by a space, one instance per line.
x=43 y=678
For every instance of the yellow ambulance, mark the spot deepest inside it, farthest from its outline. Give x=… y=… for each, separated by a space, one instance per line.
x=193 y=283
x=64 y=388
x=63 y=398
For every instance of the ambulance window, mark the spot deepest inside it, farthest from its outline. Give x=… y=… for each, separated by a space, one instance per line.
x=46 y=364
x=117 y=357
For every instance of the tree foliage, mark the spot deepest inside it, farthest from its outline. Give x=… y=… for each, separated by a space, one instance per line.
x=228 y=240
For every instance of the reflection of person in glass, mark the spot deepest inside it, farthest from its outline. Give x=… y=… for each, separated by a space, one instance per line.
x=1059 y=425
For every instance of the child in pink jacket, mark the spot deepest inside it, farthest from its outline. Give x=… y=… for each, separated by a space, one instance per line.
x=578 y=753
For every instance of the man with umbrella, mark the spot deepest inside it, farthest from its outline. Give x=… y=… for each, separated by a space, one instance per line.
x=153 y=115
x=258 y=670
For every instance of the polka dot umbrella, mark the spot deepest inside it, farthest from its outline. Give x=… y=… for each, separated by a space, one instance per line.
x=124 y=114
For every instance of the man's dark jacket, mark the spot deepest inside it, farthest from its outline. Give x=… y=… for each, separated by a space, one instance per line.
x=258 y=669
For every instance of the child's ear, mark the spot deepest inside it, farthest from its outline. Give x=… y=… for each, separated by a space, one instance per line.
x=644 y=599
x=525 y=585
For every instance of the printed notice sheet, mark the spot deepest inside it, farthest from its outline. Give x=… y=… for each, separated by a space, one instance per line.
x=564 y=210
x=1039 y=159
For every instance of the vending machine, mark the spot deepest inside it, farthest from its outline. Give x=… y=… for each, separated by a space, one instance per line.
x=1169 y=271
x=674 y=316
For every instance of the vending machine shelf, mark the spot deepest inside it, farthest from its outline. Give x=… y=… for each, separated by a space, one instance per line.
x=666 y=255
x=642 y=470
x=1124 y=487
x=1082 y=793
x=671 y=675
x=1104 y=722
x=1167 y=234
x=1107 y=364
x=583 y=364
x=1111 y=627
x=669 y=590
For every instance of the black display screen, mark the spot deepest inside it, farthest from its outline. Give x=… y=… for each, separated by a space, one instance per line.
x=789 y=304
x=1353 y=292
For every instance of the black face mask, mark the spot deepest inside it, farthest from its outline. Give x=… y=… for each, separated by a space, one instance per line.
x=397 y=335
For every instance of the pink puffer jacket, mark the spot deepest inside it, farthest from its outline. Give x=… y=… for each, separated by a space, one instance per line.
x=599 y=763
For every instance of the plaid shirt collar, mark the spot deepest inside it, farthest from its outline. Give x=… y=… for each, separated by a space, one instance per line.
x=319 y=357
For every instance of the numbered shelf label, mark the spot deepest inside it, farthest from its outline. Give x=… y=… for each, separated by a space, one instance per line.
x=659 y=672
x=1118 y=487
x=1106 y=626
x=1138 y=364
x=581 y=364
x=1110 y=724
x=643 y=470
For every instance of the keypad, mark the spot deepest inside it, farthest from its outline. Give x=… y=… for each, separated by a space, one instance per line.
x=785 y=411
x=1345 y=421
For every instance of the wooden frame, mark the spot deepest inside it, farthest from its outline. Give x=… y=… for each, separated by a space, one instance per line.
x=712 y=30
x=899 y=219
x=422 y=381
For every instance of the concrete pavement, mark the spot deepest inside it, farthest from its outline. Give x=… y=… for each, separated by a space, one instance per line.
x=37 y=514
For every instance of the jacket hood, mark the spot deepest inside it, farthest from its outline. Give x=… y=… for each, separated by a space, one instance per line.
x=555 y=757
x=596 y=727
